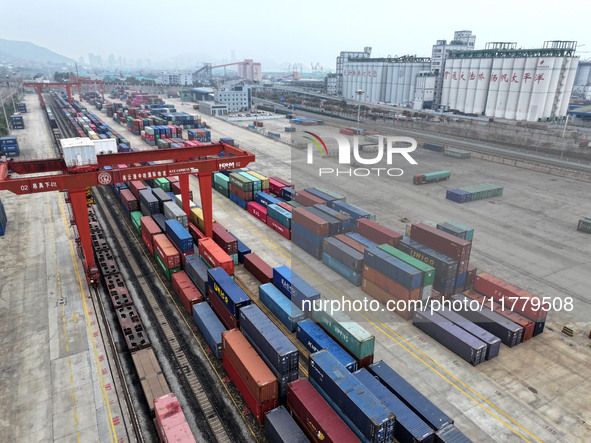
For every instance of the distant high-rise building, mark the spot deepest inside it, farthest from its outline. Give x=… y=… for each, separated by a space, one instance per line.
x=250 y=70
x=95 y=60
x=80 y=60
x=463 y=41
x=111 y=60
x=343 y=58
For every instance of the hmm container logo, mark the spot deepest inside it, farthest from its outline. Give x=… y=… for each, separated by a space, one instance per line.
x=387 y=146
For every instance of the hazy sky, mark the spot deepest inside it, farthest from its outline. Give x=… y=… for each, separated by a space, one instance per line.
x=288 y=31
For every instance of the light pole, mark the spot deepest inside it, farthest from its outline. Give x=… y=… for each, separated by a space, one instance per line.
x=563 y=134
x=359 y=93
x=4 y=109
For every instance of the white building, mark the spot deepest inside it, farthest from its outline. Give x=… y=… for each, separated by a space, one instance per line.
x=508 y=83
x=383 y=80
x=344 y=57
x=463 y=41
x=582 y=85
x=213 y=108
x=237 y=98
x=176 y=78
x=424 y=90
x=331 y=84
x=250 y=70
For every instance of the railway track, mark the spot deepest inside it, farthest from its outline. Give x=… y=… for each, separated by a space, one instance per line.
x=212 y=416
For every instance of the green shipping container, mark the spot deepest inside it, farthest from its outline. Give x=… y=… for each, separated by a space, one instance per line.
x=221 y=179
x=469 y=231
x=241 y=182
x=256 y=183
x=428 y=271
x=584 y=226
x=437 y=175
x=332 y=194
x=162 y=183
x=456 y=153
x=350 y=334
x=135 y=220
x=221 y=189
x=295 y=204
x=167 y=272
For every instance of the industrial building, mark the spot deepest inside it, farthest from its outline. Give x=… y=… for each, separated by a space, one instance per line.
x=383 y=80
x=425 y=88
x=237 y=97
x=176 y=78
x=504 y=82
x=462 y=41
x=213 y=108
x=582 y=84
x=343 y=58
x=249 y=70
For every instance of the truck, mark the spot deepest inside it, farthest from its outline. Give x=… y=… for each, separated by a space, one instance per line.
x=431 y=177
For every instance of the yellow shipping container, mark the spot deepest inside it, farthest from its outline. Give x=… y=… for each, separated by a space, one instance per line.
x=197 y=218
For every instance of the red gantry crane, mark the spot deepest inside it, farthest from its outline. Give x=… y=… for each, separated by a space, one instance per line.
x=180 y=162
x=90 y=82
x=39 y=86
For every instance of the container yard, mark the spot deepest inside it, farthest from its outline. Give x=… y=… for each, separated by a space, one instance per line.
x=190 y=329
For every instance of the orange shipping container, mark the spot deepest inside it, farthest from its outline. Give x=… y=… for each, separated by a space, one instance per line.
x=167 y=251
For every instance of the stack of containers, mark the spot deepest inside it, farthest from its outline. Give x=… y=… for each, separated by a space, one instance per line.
x=197 y=218
x=335 y=225
x=240 y=189
x=167 y=256
x=347 y=224
x=221 y=184
x=352 y=336
x=225 y=297
x=135 y=187
x=128 y=200
x=457 y=230
x=149 y=229
x=242 y=249
x=135 y=220
x=447 y=244
x=349 y=210
x=307 y=199
x=446 y=268
x=377 y=233
x=390 y=280
x=276 y=184
x=162 y=183
x=343 y=259
x=315 y=416
x=180 y=238
x=276 y=350
x=528 y=305
x=428 y=272
x=226 y=241
x=287 y=194
x=369 y=419
x=315 y=339
x=256 y=183
x=210 y=326
x=322 y=195
x=264 y=180
x=248 y=371
x=295 y=288
x=173 y=212
x=197 y=272
x=280 y=215
x=214 y=256
x=186 y=290
x=258 y=210
x=162 y=197
x=265 y=199
x=148 y=203
x=288 y=313
x=309 y=231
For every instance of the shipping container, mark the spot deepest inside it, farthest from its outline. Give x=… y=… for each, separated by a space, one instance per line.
x=135 y=187
x=196 y=218
x=359 y=247
x=258 y=268
x=279 y=228
x=302 y=291
x=411 y=397
x=149 y=229
x=443 y=242
x=431 y=177
x=453 y=230
x=451 y=434
x=221 y=310
x=341 y=269
x=197 y=272
x=264 y=199
x=215 y=256
x=224 y=239
x=397 y=270
x=186 y=290
x=433 y=147
x=445 y=267
x=313 y=223
x=179 y=236
x=348 y=333
x=173 y=212
x=170 y=421
x=361 y=239
x=162 y=197
x=493 y=343
x=335 y=226
x=315 y=416
x=348 y=209
x=258 y=210
x=509 y=332
x=252 y=377
x=347 y=223
x=166 y=251
x=469 y=232
x=377 y=233
x=282 y=428
x=454 y=338
x=148 y=203
x=129 y=201
x=288 y=313
x=315 y=339
x=428 y=271
x=227 y=291
x=210 y=326
x=359 y=406
x=280 y=215
x=390 y=293
x=343 y=254
x=160 y=221
x=409 y=427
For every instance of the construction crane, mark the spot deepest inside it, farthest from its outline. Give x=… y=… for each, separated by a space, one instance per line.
x=181 y=163
x=39 y=86
x=90 y=83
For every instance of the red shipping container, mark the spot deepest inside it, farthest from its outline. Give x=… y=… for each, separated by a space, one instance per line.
x=186 y=290
x=278 y=227
x=170 y=421
x=283 y=182
x=286 y=206
x=313 y=414
x=167 y=251
x=275 y=186
x=215 y=256
x=258 y=268
x=175 y=188
x=402 y=308
x=528 y=325
x=173 y=179
x=258 y=379
x=149 y=229
x=352 y=243
x=221 y=310
x=310 y=221
x=196 y=233
x=377 y=233
x=258 y=210
x=500 y=290
x=307 y=199
x=244 y=195
x=443 y=242
x=129 y=200
x=223 y=239
x=135 y=187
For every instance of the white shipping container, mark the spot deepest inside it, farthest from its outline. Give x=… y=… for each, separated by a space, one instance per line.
x=105 y=146
x=78 y=152
x=172 y=211
x=178 y=199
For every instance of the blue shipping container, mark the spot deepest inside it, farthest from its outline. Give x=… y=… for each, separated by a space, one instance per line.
x=282 y=428
x=279 y=214
x=416 y=401
x=361 y=239
x=234 y=198
x=461 y=281
x=287 y=193
x=364 y=410
x=352 y=276
x=343 y=253
x=282 y=279
x=301 y=291
x=227 y=290
x=347 y=209
x=307 y=236
x=399 y=271
x=210 y=326
x=335 y=226
x=347 y=223
x=242 y=249
x=288 y=313
x=315 y=339
x=409 y=427
x=179 y=235
x=458 y=195
x=264 y=199
x=319 y=194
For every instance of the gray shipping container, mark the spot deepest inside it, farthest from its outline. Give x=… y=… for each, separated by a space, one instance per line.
x=282 y=428
x=210 y=326
x=343 y=254
x=172 y=211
